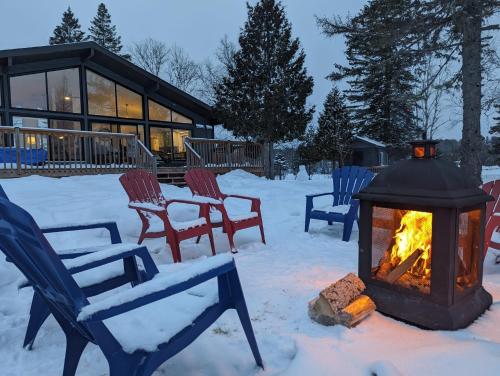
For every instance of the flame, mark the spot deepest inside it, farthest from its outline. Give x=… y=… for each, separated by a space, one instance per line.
x=415 y=232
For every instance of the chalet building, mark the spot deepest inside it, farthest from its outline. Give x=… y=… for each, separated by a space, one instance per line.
x=84 y=87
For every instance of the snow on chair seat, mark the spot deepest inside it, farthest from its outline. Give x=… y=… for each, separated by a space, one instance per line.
x=147 y=327
x=82 y=322
x=341 y=209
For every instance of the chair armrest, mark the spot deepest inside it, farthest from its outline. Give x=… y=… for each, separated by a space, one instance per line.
x=243 y=197
x=206 y=200
x=318 y=195
x=188 y=202
x=160 y=287
x=110 y=226
x=111 y=254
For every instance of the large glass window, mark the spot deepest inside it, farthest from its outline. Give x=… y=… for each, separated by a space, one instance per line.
x=178 y=118
x=129 y=103
x=161 y=142
x=101 y=95
x=29 y=91
x=179 y=135
x=64 y=90
x=158 y=112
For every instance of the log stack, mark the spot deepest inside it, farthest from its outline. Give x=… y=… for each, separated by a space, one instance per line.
x=342 y=303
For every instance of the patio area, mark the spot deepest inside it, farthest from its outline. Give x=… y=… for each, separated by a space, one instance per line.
x=278 y=281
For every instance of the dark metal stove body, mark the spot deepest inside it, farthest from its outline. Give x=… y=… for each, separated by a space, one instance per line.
x=440 y=286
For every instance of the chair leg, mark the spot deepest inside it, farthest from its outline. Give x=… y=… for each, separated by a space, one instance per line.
x=346 y=236
x=246 y=323
x=75 y=344
x=308 y=221
x=142 y=236
x=330 y=223
x=262 y=236
x=211 y=238
x=38 y=314
x=176 y=252
x=198 y=239
x=230 y=237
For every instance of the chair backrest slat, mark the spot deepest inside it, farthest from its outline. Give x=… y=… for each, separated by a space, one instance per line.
x=202 y=182
x=142 y=186
x=347 y=181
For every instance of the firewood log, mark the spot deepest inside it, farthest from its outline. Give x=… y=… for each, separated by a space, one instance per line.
x=356 y=311
x=341 y=293
x=402 y=268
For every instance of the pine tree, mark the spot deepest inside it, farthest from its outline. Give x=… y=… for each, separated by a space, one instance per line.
x=103 y=32
x=380 y=75
x=68 y=31
x=264 y=93
x=309 y=151
x=335 y=129
x=280 y=164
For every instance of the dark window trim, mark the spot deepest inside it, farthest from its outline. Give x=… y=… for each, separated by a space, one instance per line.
x=115 y=82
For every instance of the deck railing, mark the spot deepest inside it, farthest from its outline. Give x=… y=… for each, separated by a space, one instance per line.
x=223 y=155
x=58 y=152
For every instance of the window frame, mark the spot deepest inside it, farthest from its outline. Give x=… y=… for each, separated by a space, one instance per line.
x=44 y=71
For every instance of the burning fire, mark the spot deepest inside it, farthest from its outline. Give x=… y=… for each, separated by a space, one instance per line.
x=414 y=234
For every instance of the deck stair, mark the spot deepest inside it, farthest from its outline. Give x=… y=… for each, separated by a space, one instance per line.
x=172 y=175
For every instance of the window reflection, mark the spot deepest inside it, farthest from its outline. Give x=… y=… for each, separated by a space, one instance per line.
x=129 y=103
x=101 y=95
x=29 y=91
x=158 y=112
x=64 y=90
x=161 y=142
x=179 y=135
x=178 y=118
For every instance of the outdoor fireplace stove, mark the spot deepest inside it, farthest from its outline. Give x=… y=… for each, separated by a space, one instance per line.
x=421 y=242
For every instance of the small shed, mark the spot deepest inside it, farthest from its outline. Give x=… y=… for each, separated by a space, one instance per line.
x=368 y=153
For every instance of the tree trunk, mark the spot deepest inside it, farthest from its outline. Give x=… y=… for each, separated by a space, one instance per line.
x=269 y=159
x=471 y=91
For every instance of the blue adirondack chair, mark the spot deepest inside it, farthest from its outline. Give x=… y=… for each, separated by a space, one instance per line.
x=114 y=321
x=346 y=182
x=129 y=273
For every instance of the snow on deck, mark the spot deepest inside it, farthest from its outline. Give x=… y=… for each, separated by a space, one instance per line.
x=278 y=280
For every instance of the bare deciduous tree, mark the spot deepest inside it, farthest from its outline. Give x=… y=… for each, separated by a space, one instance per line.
x=181 y=71
x=213 y=73
x=150 y=54
x=431 y=90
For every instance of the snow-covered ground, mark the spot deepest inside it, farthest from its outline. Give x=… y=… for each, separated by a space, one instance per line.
x=278 y=280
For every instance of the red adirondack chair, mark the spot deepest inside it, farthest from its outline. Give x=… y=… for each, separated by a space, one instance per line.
x=145 y=197
x=492 y=215
x=202 y=182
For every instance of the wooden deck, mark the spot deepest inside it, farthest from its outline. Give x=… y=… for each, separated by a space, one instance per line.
x=58 y=153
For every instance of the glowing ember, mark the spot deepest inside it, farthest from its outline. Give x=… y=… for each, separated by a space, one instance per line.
x=414 y=234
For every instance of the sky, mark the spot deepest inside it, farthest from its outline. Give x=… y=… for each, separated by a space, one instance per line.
x=195 y=25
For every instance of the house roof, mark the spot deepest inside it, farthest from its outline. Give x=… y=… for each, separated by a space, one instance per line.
x=370 y=141
x=100 y=55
